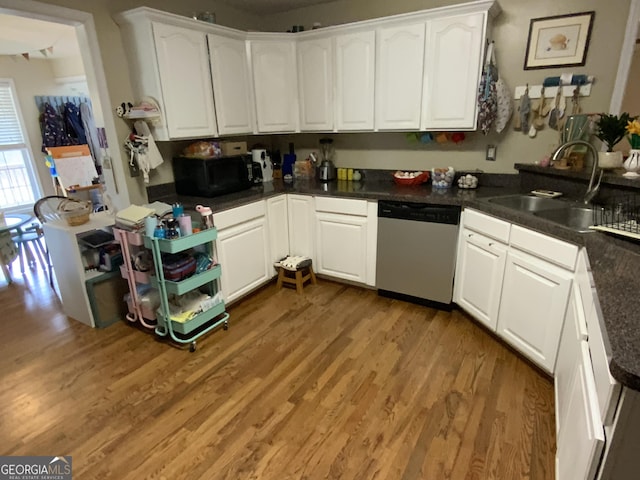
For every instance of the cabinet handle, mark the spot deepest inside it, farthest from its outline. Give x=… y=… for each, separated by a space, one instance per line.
x=469 y=235
x=491 y=244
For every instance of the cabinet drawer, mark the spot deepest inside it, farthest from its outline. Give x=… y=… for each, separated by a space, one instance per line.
x=556 y=251
x=236 y=216
x=341 y=205
x=486 y=224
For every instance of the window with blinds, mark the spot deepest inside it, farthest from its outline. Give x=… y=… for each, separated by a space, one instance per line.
x=18 y=187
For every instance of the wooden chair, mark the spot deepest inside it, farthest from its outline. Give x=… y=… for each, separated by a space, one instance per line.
x=45 y=210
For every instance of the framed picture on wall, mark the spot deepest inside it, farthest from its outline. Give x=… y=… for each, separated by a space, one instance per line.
x=559 y=41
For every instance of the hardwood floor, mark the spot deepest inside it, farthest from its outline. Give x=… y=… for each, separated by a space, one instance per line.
x=335 y=383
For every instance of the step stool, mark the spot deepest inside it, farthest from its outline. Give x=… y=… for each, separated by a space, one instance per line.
x=297 y=277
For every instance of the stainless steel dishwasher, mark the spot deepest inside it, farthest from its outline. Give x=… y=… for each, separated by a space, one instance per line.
x=417 y=251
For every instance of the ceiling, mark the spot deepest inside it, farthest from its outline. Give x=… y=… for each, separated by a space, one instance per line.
x=20 y=35
x=266 y=7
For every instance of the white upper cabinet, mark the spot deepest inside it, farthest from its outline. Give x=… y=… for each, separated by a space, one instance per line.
x=187 y=94
x=231 y=84
x=274 y=81
x=315 y=79
x=453 y=64
x=355 y=76
x=399 y=73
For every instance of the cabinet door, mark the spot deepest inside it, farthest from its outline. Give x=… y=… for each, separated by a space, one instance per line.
x=301 y=226
x=581 y=439
x=231 y=84
x=315 y=78
x=532 y=308
x=275 y=86
x=278 y=227
x=574 y=332
x=243 y=252
x=453 y=64
x=183 y=63
x=478 y=279
x=355 y=74
x=399 y=73
x=341 y=246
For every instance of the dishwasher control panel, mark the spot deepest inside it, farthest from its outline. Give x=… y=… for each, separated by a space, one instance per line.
x=419 y=212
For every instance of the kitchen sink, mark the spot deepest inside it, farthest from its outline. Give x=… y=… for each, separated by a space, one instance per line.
x=578 y=218
x=528 y=203
x=572 y=215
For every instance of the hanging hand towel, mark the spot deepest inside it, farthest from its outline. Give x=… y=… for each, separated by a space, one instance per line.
x=151 y=157
x=487 y=97
x=505 y=105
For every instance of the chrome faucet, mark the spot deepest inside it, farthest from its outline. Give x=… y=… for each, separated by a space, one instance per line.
x=592 y=190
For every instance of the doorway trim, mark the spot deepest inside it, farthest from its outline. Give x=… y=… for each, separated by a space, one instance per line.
x=94 y=69
x=626 y=53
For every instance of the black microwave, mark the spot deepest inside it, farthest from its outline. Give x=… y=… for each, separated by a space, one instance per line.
x=210 y=177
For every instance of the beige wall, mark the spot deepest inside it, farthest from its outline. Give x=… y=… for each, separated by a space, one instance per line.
x=510 y=34
x=32 y=78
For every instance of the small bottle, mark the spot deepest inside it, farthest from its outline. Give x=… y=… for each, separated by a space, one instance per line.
x=172 y=229
x=160 y=231
x=350 y=174
x=207 y=216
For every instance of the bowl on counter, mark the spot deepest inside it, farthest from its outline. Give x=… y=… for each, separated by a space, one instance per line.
x=410 y=178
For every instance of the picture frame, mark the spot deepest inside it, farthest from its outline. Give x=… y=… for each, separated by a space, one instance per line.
x=558 y=41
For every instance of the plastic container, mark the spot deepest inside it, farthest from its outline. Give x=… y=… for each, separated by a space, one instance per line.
x=442 y=177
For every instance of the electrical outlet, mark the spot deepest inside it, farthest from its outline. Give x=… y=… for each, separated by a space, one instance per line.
x=491 y=153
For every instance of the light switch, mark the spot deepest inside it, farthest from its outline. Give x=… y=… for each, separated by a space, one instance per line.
x=491 y=153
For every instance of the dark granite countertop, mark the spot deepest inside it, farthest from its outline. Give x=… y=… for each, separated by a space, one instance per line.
x=615 y=262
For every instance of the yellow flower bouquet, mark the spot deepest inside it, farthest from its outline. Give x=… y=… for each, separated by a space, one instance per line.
x=633 y=129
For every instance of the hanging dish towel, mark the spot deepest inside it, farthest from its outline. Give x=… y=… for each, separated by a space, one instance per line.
x=487 y=97
x=148 y=157
x=504 y=100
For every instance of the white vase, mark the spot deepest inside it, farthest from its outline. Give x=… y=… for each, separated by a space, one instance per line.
x=609 y=160
x=632 y=164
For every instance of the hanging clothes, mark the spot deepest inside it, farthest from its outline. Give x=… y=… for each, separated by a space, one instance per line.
x=487 y=96
x=52 y=128
x=73 y=123
x=91 y=133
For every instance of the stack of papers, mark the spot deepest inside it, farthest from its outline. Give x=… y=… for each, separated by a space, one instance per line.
x=132 y=217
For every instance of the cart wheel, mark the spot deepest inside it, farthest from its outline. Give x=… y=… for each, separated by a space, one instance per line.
x=192 y=346
x=226 y=325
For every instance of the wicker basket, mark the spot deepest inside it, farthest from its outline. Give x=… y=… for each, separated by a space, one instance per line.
x=75 y=212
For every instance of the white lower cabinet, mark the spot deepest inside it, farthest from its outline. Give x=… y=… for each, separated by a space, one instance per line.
x=479 y=272
x=301 y=225
x=581 y=438
x=574 y=332
x=345 y=239
x=340 y=239
x=243 y=249
x=278 y=221
x=534 y=298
